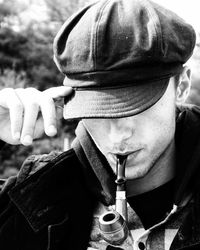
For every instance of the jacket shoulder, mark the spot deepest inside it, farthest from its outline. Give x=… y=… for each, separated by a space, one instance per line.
x=35 y=163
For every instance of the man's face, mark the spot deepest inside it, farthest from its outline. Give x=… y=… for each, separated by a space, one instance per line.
x=143 y=137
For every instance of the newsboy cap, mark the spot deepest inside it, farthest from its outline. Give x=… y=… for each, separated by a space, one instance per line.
x=118 y=56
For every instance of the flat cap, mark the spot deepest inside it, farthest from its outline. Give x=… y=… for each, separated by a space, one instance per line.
x=118 y=55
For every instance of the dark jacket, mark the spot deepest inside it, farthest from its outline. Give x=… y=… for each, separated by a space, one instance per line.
x=50 y=204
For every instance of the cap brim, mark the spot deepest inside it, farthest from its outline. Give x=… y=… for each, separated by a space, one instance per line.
x=114 y=102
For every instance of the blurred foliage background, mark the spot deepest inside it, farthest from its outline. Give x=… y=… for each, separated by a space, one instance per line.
x=27 y=29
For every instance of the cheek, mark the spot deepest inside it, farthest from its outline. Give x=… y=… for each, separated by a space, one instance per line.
x=101 y=140
x=160 y=131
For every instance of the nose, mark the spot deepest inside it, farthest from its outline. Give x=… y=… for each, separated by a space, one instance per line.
x=120 y=130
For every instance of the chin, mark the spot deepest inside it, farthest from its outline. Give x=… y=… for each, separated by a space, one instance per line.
x=136 y=172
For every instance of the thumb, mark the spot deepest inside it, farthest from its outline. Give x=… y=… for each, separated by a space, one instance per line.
x=59 y=92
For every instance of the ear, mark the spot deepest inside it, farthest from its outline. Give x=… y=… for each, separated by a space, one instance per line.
x=183 y=88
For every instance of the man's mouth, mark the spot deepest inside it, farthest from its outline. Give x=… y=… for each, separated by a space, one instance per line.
x=129 y=154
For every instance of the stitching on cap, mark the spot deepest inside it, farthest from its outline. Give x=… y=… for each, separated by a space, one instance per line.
x=153 y=14
x=95 y=43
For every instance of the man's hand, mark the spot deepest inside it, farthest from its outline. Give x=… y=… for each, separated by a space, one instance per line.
x=19 y=108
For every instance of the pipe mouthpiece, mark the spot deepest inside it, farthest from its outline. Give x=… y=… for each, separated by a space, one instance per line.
x=121 y=159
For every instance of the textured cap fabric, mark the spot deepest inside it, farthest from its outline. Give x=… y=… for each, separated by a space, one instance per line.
x=118 y=55
x=114 y=102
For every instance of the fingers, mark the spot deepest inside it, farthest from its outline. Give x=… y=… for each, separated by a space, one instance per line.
x=49 y=115
x=9 y=100
x=48 y=107
x=30 y=114
x=33 y=101
x=22 y=107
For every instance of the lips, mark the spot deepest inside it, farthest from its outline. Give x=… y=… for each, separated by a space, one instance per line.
x=130 y=155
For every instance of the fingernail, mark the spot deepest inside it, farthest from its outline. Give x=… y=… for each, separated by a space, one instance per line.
x=51 y=130
x=16 y=136
x=27 y=140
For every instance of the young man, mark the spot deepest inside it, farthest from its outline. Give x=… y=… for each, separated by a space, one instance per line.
x=125 y=79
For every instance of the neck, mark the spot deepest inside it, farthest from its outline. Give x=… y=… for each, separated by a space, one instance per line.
x=162 y=172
